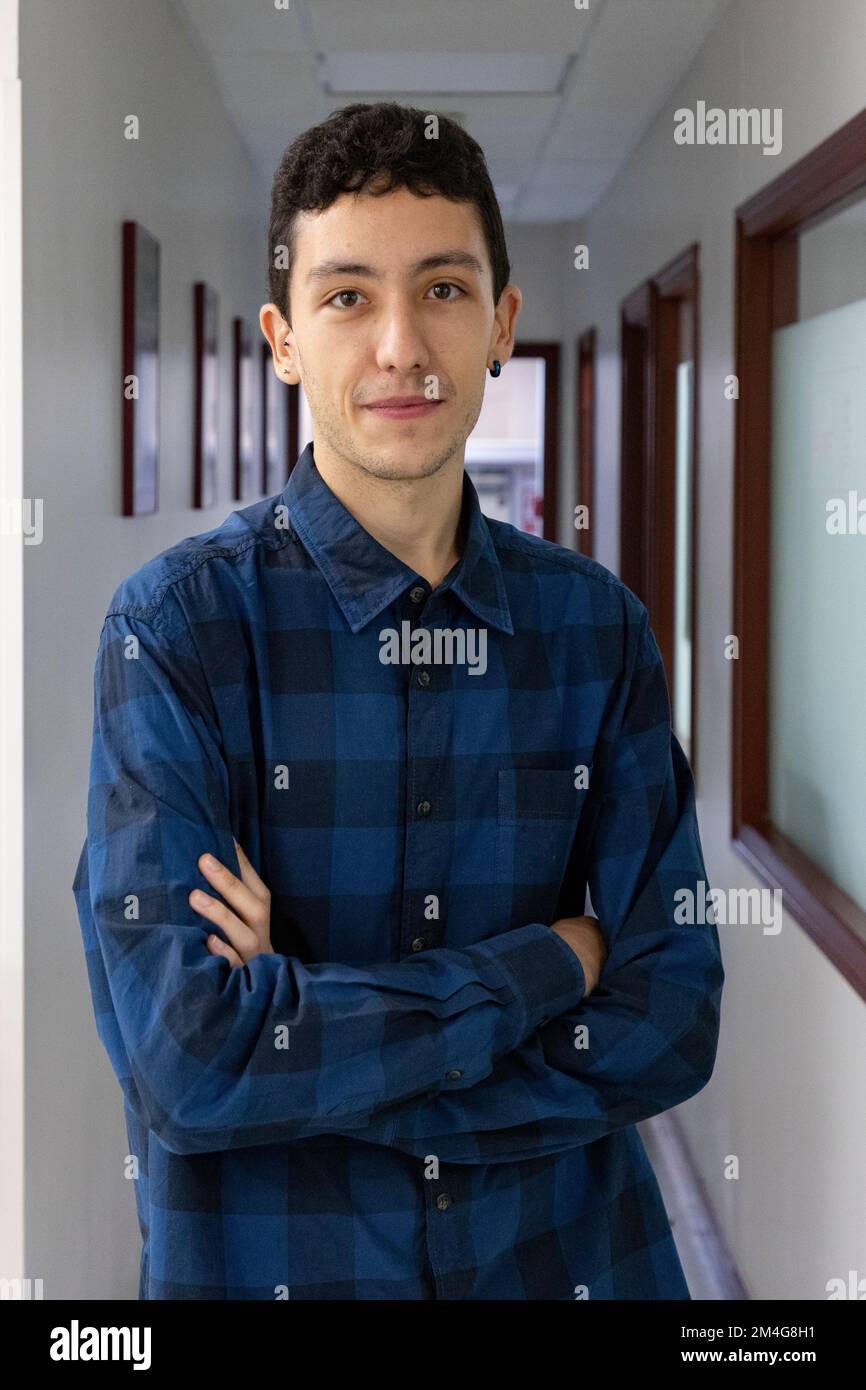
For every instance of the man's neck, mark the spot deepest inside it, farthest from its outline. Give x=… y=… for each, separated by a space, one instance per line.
x=418 y=520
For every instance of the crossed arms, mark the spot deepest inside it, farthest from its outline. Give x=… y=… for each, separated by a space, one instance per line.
x=443 y=1052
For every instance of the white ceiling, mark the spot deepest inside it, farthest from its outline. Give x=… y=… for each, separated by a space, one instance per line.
x=556 y=97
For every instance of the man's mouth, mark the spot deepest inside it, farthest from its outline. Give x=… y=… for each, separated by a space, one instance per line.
x=403 y=407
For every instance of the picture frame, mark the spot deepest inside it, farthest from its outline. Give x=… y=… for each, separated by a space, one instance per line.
x=243 y=382
x=206 y=378
x=140 y=370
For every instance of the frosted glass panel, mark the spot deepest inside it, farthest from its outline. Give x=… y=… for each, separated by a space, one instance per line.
x=682 y=712
x=817 y=655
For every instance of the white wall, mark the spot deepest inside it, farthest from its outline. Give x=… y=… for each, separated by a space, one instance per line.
x=787 y=1093
x=12 y=1171
x=86 y=65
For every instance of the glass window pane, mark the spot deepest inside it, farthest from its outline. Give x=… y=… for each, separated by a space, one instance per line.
x=817 y=658
x=682 y=698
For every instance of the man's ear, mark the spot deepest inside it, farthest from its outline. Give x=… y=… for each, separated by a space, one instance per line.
x=282 y=343
x=505 y=317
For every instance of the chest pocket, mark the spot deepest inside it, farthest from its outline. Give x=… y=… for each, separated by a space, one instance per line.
x=538 y=816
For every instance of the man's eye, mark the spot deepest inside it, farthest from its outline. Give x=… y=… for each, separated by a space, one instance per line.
x=337 y=301
x=447 y=285
x=339 y=295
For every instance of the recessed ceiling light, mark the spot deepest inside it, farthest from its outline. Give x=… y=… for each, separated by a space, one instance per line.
x=539 y=74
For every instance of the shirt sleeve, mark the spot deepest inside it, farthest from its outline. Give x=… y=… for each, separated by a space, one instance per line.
x=213 y=1057
x=645 y=1039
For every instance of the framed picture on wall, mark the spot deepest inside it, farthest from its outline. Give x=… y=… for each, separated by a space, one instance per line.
x=206 y=376
x=273 y=457
x=140 y=367
x=243 y=410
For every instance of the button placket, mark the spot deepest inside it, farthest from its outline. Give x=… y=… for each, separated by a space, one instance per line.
x=425 y=748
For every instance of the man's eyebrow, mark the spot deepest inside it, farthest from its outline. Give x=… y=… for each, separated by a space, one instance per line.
x=325 y=270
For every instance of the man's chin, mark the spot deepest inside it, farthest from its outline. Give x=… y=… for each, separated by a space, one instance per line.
x=401 y=469
x=403 y=461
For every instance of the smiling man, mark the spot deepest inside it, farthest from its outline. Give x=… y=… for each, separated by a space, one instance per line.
x=385 y=1054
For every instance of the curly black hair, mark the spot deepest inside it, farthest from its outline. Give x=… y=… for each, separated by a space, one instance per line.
x=379 y=141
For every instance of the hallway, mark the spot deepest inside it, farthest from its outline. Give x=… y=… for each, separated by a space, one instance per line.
x=683 y=191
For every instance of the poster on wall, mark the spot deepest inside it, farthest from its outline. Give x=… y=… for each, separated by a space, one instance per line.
x=140 y=368
x=243 y=410
x=206 y=377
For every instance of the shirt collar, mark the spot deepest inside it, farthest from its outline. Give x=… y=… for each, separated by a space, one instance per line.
x=364 y=576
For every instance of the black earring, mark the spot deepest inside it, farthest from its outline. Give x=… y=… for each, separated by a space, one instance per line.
x=496 y=368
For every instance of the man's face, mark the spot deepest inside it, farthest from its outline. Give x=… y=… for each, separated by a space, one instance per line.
x=378 y=312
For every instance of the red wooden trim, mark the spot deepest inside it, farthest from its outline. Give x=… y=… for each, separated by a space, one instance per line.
x=833 y=920
x=676 y=285
x=128 y=365
x=585 y=434
x=651 y=330
x=136 y=241
x=829 y=178
x=635 y=439
x=662 y=516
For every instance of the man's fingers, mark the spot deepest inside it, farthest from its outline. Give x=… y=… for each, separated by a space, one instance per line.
x=249 y=906
x=238 y=933
x=218 y=947
x=250 y=877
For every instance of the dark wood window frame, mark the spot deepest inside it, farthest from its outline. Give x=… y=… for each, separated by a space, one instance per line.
x=650 y=342
x=551 y=354
x=585 y=434
x=829 y=178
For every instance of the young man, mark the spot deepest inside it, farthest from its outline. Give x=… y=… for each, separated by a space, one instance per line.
x=379 y=1058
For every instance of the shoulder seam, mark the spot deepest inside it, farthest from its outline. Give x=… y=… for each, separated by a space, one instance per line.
x=150 y=612
x=517 y=543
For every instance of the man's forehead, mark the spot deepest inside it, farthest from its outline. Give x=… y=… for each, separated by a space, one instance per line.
x=346 y=232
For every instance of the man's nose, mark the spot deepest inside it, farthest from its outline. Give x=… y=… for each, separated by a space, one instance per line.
x=400 y=340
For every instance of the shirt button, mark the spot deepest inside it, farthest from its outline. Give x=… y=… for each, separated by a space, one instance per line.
x=417 y=592
x=454 y=1075
x=423 y=808
x=418 y=944
x=443 y=1201
x=423 y=677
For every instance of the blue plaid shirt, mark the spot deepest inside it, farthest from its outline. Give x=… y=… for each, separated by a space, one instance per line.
x=410 y=1098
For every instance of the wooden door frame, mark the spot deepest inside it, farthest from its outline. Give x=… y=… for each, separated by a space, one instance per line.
x=585 y=433
x=677 y=288
x=650 y=350
x=829 y=178
x=637 y=368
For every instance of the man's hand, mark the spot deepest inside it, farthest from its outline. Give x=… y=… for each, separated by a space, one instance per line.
x=585 y=939
x=248 y=927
